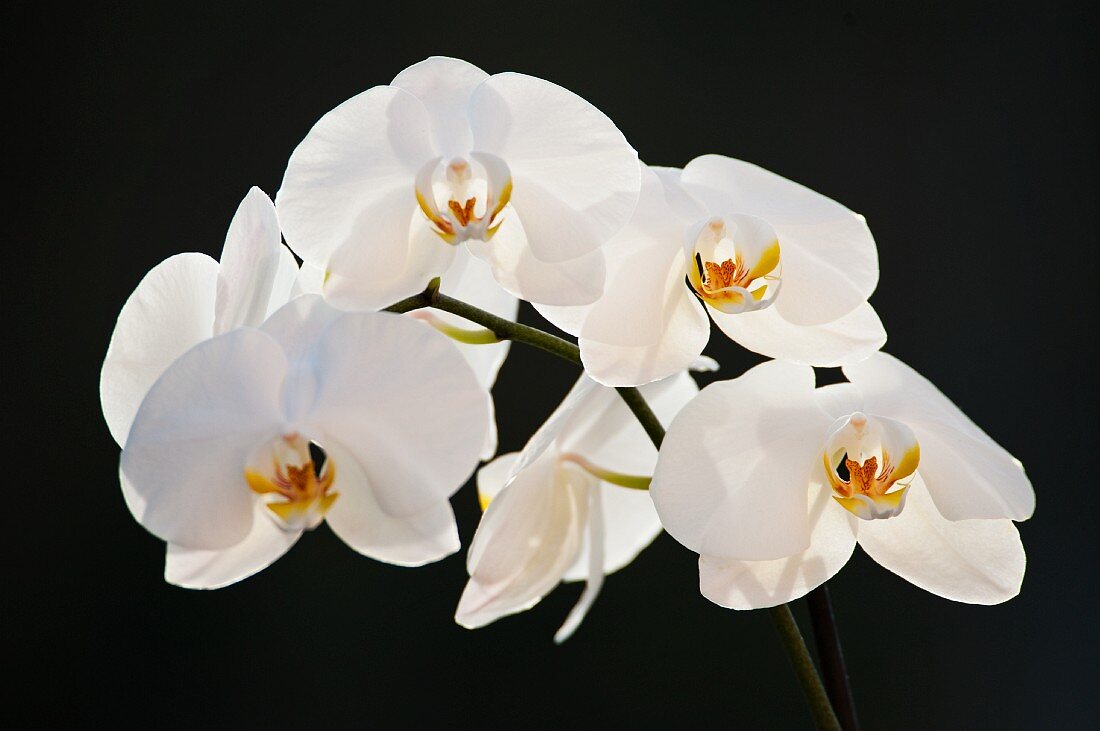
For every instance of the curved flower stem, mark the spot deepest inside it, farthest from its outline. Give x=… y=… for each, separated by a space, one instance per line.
x=824 y=717
x=827 y=639
x=804 y=668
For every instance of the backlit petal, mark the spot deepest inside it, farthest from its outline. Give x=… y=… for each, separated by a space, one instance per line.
x=731 y=477
x=359 y=521
x=355 y=168
x=850 y=338
x=249 y=264
x=214 y=568
x=404 y=401
x=575 y=177
x=192 y=437
x=738 y=584
x=171 y=310
x=444 y=86
x=972 y=561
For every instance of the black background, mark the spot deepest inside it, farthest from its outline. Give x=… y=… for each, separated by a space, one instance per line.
x=965 y=134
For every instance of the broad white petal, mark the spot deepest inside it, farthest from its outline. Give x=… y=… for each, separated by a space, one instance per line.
x=298 y=325
x=171 y=310
x=972 y=561
x=968 y=474
x=250 y=262
x=403 y=400
x=850 y=338
x=194 y=568
x=567 y=318
x=686 y=333
x=756 y=584
x=732 y=473
x=575 y=177
x=353 y=169
x=444 y=86
x=829 y=258
x=359 y=521
x=192 y=437
x=574 y=282
x=395 y=261
x=285 y=287
x=527 y=538
x=646 y=272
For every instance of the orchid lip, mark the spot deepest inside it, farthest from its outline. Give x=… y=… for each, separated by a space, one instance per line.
x=856 y=445
x=464 y=199
x=282 y=472
x=735 y=263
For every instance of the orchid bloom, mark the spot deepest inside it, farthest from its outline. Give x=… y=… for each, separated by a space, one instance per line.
x=562 y=509
x=189 y=298
x=782 y=270
x=529 y=176
x=773 y=482
x=221 y=464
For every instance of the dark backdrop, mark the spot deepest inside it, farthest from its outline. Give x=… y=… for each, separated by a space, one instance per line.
x=965 y=134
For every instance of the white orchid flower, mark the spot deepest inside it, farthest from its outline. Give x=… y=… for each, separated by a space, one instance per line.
x=189 y=298
x=530 y=176
x=773 y=482
x=470 y=280
x=562 y=509
x=782 y=270
x=219 y=463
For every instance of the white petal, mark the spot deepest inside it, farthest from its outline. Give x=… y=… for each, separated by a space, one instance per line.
x=298 y=325
x=286 y=281
x=645 y=273
x=829 y=258
x=250 y=261
x=444 y=85
x=687 y=330
x=358 y=519
x=595 y=561
x=968 y=474
x=732 y=473
x=403 y=400
x=353 y=174
x=850 y=338
x=756 y=584
x=491 y=479
x=191 y=439
x=972 y=561
x=575 y=177
x=630 y=523
x=171 y=310
x=567 y=318
x=604 y=430
x=194 y=568
x=310 y=280
x=395 y=261
x=574 y=282
x=527 y=538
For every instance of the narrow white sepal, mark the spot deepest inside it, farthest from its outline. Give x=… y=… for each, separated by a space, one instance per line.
x=595 y=567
